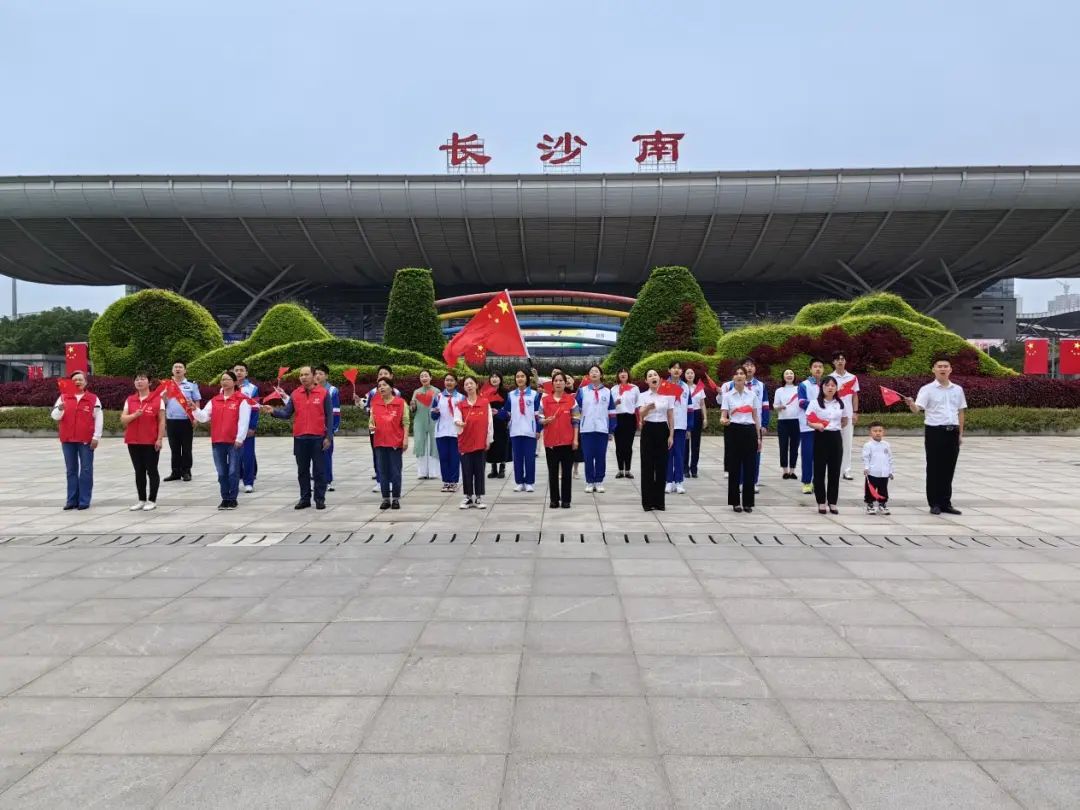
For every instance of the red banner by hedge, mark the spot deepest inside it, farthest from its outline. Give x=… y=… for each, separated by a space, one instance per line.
x=1069 y=355
x=1036 y=356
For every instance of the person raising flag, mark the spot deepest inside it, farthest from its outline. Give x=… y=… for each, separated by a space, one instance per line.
x=249 y=465
x=143 y=418
x=493 y=329
x=229 y=414
x=848 y=392
x=313 y=425
x=181 y=398
x=79 y=413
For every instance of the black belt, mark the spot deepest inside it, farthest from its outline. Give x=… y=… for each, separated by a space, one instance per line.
x=942 y=427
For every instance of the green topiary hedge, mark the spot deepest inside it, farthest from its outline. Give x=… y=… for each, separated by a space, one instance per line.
x=412 y=322
x=823 y=313
x=661 y=361
x=150 y=330
x=283 y=323
x=661 y=298
x=333 y=351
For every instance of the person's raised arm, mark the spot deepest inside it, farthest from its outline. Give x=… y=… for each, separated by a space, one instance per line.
x=57 y=412
x=202 y=415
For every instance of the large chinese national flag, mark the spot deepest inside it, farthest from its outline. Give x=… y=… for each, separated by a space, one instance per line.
x=493 y=329
x=75 y=357
x=1069 y=355
x=1036 y=356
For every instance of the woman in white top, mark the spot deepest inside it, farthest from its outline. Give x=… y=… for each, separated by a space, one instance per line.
x=657 y=415
x=697 y=420
x=442 y=411
x=739 y=411
x=786 y=405
x=827 y=416
x=625 y=394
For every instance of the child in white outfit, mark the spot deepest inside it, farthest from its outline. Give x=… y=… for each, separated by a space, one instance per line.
x=878 y=470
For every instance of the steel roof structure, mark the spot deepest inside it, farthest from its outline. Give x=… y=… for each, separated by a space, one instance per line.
x=934 y=234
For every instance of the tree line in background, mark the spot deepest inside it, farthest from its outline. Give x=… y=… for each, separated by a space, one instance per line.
x=45 y=332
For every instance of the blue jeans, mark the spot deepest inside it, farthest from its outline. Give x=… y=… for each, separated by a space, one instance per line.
x=676 y=458
x=389 y=461
x=449 y=459
x=594 y=449
x=227 y=462
x=806 y=447
x=79 y=461
x=249 y=467
x=328 y=461
x=310 y=464
x=523 y=449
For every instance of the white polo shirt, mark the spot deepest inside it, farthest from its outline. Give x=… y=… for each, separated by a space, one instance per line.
x=942 y=404
x=733 y=400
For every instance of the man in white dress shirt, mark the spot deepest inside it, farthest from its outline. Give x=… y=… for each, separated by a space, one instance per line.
x=943 y=405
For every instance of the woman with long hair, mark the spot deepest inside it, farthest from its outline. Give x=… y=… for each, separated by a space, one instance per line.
x=473 y=420
x=143 y=418
x=560 y=417
x=739 y=411
x=519 y=413
x=424 y=444
x=596 y=428
x=657 y=414
x=697 y=419
x=786 y=405
x=625 y=394
x=827 y=417
x=499 y=452
x=443 y=409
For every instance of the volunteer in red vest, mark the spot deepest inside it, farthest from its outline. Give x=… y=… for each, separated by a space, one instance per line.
x=313 y=426
x=229 y=414
x=476 y=430
x=79 y=415
x=560 y=417
x=848 y=392
x=391 y=417
x=143 y=418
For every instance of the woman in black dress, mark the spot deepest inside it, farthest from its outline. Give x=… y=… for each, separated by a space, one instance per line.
x=499 y=452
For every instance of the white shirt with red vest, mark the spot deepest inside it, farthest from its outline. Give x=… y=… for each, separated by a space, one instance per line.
x=229 y=420
x=81 y=420
x=143 y=430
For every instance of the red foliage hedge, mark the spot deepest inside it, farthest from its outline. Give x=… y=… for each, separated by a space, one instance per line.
x=982 y=392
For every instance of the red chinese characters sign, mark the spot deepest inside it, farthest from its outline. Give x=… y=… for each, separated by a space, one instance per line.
x=459 y=151
x=562 y=150
x=660 y=147
x=656 y=150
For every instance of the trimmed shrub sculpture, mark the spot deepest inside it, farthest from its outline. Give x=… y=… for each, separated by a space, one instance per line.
x=334 y=351
x=824 y=313
x=283 y=323
x=659 y=303
x=151 y=330
x=412 y=322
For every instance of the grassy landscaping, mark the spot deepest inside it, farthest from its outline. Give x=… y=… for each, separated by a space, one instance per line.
x=979 y=420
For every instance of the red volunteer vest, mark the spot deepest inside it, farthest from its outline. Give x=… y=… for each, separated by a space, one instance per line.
x=143 y=430
x=77 y=421
x=225 y=419
x=561 y=431
x=474 y=435
x=308 y=416
x=387 y=416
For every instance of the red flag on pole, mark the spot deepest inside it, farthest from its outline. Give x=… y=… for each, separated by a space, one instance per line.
x=75 y=358
x=494 y=328
x=350 y=375
x=66 y=386
x=35 y=372
x=1036 y=356
x=1069 y=355
x=281 y=372
x=670 y=389
x=888 y=396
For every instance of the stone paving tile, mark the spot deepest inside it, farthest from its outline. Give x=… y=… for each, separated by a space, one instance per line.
x=266 y=781
x=573 y=783
x=99 y=676
x=751 y=783
x=300 y=725
x=205 y=675
x=97 y=782
x=17 y=671
x=1012 y=731
x=431 y=782
x=458 y=674
x=441 y=725
x=582 y=725
x=724 y=727
x=370 y=674
x=825 y=679
x=949 y=680
x=263 y=638
x=33 y=724
x=15 y=766
x=926 y=785
x=682 y=638
x=155 y=639
x=1049 y=785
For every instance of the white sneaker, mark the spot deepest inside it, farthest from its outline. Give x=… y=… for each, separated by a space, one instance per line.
x=670 y=488
x=680 y=489
x=847 y=475
x=599 y=488
x=465 y=503
x=149 y=506
x=725 y=473
x=518 y=487
x=529 y=488
x=137 y=507
x=376 y=488
x=479 y=503
x=757 y=488
x=249 y=487
x=589 y=487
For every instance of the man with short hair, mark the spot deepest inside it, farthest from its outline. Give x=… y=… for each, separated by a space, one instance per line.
x=387 y=373
x=808 y=390
x=847 y=391
x=677 y=452
x=313 y=419
x=322 y=377
x=249 y=465
x=943 y=404
x=81 y=421
x=178 y=423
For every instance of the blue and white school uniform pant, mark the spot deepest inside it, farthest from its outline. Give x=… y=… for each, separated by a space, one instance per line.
x=523 y=451
x=806 y=449
x=249 y=466
x=449 y=459
x=677 y=458
x=594 y=450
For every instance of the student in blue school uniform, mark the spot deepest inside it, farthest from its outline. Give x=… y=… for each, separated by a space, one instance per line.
x=322 y=377
x=519 y=410
x=596 y=428
x=677 y=454
x=808 y=392
x=249 y=465
x=446 y=434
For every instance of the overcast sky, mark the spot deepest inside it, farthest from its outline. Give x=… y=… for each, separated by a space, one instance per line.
x=127 y=86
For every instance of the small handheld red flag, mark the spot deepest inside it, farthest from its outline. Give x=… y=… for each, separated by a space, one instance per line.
x=670 y=389
x=711 y=387
x=548 y=387
x=350 y=375
x=66 y=386
x=873 y=491
x=848 y=388
x=888 y=396
x=425 y=398
x=281 y=372
x=1036 y=356
x=699 y=388
x=814 y=419
x=490 y=393
x=271 y=397
x=173 y=391
x=494 y=328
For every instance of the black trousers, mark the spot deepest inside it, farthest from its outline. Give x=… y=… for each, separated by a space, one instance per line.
x=180 y=433
x=472 y=473
x=144 y=458
x=740 y=461
x=310 y=463
x=654 y=463
x=828 y=459
x=942 y=450
x=625 y=428
x=882 y=487
x=693 y=441
x=560 y=464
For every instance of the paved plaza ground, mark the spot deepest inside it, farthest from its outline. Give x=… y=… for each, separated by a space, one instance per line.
x=524 y=657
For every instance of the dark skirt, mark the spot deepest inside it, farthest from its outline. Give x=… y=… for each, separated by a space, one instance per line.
x=499 y=452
